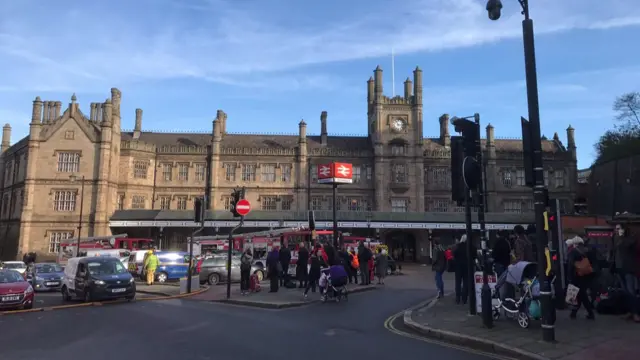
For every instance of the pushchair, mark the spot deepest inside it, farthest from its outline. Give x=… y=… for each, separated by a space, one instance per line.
x=522 y=276
x=333 y=287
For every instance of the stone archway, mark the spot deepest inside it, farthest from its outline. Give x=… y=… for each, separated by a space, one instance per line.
x=403 y=245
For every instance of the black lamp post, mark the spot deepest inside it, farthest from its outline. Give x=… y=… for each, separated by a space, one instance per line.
x=368 y=224
x=494 y=8
x=73 y=178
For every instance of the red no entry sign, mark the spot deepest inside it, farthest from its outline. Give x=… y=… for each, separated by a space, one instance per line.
x=243 y=207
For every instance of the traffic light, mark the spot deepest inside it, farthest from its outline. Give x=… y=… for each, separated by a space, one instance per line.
x=553 y=218
x=470 y=166
x=198 y=210
x=236 y=195
x=527 y=153
x=312 y=220
x=457 y=159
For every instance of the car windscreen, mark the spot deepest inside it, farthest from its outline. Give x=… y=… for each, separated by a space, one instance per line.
x=48 y=268
x=15 y=266
x=107 y=267
x=10 y=276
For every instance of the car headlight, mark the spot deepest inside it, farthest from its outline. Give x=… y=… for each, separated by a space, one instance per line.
x=132 y=280
x=28 y=291
x=99 y=282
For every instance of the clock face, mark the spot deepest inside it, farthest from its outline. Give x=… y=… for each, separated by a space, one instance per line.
x=397 y=124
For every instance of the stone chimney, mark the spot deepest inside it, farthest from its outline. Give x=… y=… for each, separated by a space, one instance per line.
x=445 y=138
x=45 y=112
x=222 y=117
x=217 y=131
x=370 y=90
x=408 y=84
x=36 y=114
x=107 y=108
x=137 y=128
x=417 y=86
x=378 y=90
x=73 y=106
x=56 y=110
x=571 y=138
x=6 y=138
x=302 y=131
x=323 y=128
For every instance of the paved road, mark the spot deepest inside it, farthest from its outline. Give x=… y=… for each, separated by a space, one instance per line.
x=203 y=330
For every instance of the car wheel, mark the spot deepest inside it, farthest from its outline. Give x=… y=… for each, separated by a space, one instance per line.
x=87 y=296
x=162 y=277
x=214 y=279
x=259 y=274
x=65 y=294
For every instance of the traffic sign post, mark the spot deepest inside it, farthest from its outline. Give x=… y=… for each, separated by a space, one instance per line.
x=240 y=207
x=334 y=174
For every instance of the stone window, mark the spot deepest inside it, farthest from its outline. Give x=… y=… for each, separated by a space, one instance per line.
x=269 y=203
x=229 y=172
x=56 y=238
x=368 y=172
x=314 y=174
x=165 y=202
x=64 y=200
x=529 y=205
x=268 y=173
x=167 y=172
x=398 y=150
x=7 y=173
x=120 y=202
x=507 y=180
x=248 y=172
x=399 y=205
x=183 y=172
x=5 y=205
x=138 y=202
x=200 y=172
x=226 y=202
x=356 y=174
x=181 y=203
x=356 y=204
x=512 y=206
x=438 y=205
x=439 y=175
x=399 y=172
x=559 y=178
x=285 y=175
x=68 y=162
x=140 y=169
x=316 y=203
x=286 y=203
x=520 y=181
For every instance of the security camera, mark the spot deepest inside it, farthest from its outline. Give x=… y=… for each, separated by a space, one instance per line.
x=494 y=7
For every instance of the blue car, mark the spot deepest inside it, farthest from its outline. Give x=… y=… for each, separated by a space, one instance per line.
x=48 y=277
x=173 y=265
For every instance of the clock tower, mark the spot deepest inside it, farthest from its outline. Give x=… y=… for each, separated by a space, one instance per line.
x=395 y=131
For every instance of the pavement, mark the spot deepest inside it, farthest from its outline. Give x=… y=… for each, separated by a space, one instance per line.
x=608 y=337
x=210 y=330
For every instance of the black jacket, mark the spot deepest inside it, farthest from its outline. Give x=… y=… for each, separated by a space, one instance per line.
x=460 y=255
x=285 y=257
x=501 y=252
x=303 y=258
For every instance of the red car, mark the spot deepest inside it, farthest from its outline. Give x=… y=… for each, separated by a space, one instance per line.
x=15 y=291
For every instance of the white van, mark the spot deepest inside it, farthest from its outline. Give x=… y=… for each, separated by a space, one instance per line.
x=97 y=278
x=136 y=261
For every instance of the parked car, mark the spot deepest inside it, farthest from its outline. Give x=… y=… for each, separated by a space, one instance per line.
x=213 y=270
x=15 y=291
x=97 y=278
x=48 y=277
x=18 y=266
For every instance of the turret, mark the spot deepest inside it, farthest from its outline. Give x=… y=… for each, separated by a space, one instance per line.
x=302 y=132
x=36 y=115
x=73 y=106
x=378 y=93
x=491 y=142
x=6 y=138
x=323 y=128
x=217 y=131
x=417 y=85
x=571 y=138
x=370 y=90
x=107 y=109
x=222 y=118
x=137 y=129
x=408 y=84
x=445 y=138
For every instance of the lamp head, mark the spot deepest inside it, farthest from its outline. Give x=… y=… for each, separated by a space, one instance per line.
x=494 y=9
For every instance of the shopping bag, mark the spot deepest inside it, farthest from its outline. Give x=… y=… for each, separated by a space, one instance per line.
x=572 y=295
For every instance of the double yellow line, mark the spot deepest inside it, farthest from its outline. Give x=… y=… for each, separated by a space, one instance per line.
x=388 y=324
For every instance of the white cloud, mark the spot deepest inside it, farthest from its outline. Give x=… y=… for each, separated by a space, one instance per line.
x=89 y=45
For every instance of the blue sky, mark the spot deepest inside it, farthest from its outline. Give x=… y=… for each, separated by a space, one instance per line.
x=269 y=63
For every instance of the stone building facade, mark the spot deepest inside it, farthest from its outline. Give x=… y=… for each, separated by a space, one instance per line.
x=395 y=168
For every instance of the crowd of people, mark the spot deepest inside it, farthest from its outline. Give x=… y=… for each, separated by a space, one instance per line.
x=311 y=262
x=594 y=275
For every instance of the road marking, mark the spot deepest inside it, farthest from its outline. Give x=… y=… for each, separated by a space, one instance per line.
x=388 y=324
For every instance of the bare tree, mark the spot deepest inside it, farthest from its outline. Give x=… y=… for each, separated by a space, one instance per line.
x=628 y=108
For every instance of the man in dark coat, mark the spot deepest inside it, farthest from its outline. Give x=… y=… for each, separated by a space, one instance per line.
x=301 y=266
x=285 y=260
x=364 y=255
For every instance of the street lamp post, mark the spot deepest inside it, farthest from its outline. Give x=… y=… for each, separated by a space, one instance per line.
x=494 y=8
x=369 y=225
x=73 y=178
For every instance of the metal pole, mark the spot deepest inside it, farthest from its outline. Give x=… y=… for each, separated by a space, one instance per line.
x=487 y=316
x=548 y=326
x=309 y=184
x=470 y=265
x=207 y=187
x=230 y=254
x=559 y=247
x=335 y=216
x=80 y=217
x=190 y=269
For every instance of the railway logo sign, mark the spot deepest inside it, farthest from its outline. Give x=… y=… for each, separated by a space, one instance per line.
x=335 y=173
x=243 y=207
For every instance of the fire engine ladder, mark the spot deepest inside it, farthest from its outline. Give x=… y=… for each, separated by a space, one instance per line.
x=266 y=233
x=92 y=239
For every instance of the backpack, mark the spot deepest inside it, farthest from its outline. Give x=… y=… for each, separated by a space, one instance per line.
x=583 y=266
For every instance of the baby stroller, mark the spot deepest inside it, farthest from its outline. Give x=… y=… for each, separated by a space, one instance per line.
x=522 y=276
x=333 y=284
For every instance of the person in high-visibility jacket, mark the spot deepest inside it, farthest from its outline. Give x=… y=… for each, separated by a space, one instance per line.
x=150 y=266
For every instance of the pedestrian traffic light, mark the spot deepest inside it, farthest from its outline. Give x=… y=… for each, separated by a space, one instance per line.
x=553 y=218
x=471 y=170
x=198 y=210
x=236 y=195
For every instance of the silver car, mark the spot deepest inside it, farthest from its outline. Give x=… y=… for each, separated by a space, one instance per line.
x=213 y=270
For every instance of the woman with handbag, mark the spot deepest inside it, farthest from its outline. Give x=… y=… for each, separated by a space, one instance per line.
x=581 y=275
